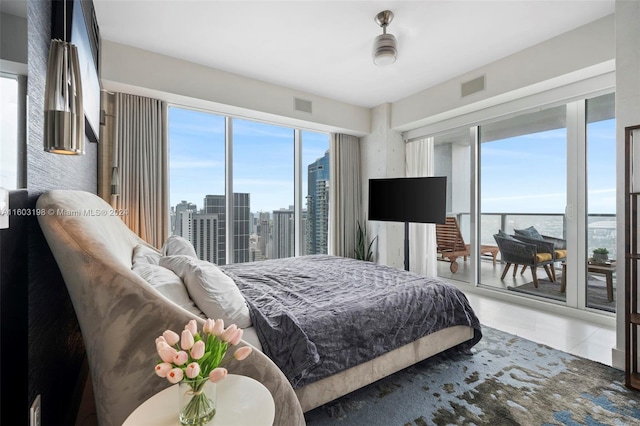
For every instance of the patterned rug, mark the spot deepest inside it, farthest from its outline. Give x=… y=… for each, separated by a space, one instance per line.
x=506 y=380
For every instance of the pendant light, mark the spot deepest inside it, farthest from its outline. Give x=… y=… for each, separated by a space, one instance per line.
x=384 y=46
x=63 y=109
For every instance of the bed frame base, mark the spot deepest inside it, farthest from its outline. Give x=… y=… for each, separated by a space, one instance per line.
x=318 y=393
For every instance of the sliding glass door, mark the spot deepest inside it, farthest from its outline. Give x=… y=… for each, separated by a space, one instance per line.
x=546 y=174
x=523 y=181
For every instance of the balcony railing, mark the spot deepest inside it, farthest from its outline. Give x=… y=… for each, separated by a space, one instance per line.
x=601 y=228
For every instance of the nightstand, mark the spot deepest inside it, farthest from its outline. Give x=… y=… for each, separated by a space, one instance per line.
x=241 y=401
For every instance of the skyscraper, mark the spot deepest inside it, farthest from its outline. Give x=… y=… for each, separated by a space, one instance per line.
x=215 y=204
x=283 y=233
x=317 y=223
x=205 y=236
x=177 y=222
x=264 y=234
x=241 y=227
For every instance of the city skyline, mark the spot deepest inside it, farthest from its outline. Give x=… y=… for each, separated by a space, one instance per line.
x=263 y=158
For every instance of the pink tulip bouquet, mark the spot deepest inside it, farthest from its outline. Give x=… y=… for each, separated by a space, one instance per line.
x=195 y=359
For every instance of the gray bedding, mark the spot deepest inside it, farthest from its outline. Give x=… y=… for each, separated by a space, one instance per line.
x=318 y=315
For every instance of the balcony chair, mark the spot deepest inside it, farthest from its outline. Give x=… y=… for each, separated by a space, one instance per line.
x=532 y=236
x=451 y=244
x=516 y=252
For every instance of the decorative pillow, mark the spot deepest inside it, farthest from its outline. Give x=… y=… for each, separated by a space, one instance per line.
x=504 y=235
x=529 y=232
x=167 y=283
x=212 y=290
x=176 y=245
x=145 y=254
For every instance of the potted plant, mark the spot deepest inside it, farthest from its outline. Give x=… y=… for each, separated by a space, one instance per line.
x=600 y=255
x=363 y=246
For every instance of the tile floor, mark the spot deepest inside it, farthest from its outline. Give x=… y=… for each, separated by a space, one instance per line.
x=579 y=337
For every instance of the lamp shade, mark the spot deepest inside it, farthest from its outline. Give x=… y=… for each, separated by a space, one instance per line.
x=384 y=49
x=63 y=108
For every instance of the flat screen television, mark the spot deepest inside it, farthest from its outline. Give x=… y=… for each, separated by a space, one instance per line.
x=415 y=200
x=82 y=31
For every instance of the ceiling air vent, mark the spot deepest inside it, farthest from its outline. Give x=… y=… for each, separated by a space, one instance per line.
x=302 y=105
x=472 y=86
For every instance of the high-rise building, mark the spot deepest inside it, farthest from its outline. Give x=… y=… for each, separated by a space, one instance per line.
x=241 y=227
x=283 y=243
x=264 y=234
x=317 y=223
x=216 y=204
x=205 y=236
x=178 y=224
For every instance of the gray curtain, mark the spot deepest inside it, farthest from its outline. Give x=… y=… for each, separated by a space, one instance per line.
x=140 y=159
x=344 y=195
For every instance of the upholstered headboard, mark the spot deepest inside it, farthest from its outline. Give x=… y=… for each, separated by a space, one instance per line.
x=120 y=314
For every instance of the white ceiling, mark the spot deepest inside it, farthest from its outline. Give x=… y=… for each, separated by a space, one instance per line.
x=324 y=47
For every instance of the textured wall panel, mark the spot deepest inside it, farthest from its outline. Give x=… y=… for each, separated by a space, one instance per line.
x=56 y=351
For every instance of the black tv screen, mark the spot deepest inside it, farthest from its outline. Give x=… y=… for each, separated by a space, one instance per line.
x=417 y=200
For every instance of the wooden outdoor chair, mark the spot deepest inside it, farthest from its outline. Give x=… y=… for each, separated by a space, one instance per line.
x=451 y=245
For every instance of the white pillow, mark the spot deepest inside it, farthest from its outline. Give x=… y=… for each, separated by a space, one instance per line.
x=212 y=290
x=175 y=245
x=167 y=283
x=145 y=254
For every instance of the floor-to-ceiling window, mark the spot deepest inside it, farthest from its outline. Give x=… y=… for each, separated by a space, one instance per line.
x=263 y=177
x=212 y=155
x=197 y=180
x=523 y=181
x=315 y=192
x=549 y=168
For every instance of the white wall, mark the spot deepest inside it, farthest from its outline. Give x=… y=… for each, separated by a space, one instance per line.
x=382 y=155
x=575 y=55
x=136 y=71
x=627 y=114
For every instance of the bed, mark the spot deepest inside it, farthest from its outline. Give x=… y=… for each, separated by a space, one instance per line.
x=120 y=314
x=318 y=317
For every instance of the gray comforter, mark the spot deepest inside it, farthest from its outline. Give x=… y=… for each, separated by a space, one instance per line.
x=318 y=315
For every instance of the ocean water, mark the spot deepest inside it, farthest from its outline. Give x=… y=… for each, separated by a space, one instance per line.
x=601 y=229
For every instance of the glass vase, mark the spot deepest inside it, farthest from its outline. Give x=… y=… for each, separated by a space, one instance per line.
x=197 y=399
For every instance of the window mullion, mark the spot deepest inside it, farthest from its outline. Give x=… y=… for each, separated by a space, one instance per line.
x=297 y=189
x=229 y=234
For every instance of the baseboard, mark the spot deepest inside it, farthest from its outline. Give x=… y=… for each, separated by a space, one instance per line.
x=618 y=358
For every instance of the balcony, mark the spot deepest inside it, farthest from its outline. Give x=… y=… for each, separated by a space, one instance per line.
x=601 y=232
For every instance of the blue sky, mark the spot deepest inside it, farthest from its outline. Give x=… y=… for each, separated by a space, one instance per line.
x=521 y=174
x=263 y=159
x=528 y=173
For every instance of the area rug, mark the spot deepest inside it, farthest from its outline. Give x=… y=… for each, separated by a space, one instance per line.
x=506 y=380
x=596 y=292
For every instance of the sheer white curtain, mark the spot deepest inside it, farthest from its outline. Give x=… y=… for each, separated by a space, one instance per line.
x=344 y=194
x=422 y=236
x=141 y=158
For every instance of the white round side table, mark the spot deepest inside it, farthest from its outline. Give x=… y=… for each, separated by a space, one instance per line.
x=241 y=400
